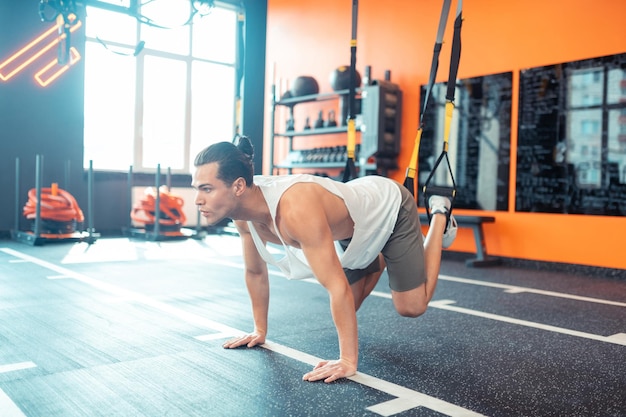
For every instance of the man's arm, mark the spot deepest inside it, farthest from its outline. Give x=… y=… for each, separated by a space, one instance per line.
x=305 y=221
x=257 y=282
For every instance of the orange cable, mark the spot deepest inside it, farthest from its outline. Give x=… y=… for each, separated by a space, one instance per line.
x=171 y=207
x=56 y=205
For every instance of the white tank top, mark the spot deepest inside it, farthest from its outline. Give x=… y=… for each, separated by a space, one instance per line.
x=372 y=201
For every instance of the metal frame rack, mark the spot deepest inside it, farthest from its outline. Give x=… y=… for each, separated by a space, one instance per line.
x=36 y=237
x=156 y=233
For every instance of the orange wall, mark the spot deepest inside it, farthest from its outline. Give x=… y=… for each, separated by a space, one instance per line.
x=311 y=37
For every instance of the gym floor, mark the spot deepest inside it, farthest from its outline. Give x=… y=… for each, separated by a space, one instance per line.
x=134 y=328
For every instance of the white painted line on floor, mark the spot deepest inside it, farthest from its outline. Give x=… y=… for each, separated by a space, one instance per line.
x=214 y=336
x=124 y=293
x=58 y=277
x=370 y=381
x=408 y=398
x=239 y=265
x=513 y=289
x=16 y=367
x=395 y=406
x=618 y=338
x=17 y=261
x=8 y=407
x=446 y=305
x=116 y=300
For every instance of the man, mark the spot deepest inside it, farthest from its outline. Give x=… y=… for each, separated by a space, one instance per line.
x=374 y=218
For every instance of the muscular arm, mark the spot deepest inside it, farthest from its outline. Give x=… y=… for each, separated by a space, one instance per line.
x=257 y=282
x=304 y=219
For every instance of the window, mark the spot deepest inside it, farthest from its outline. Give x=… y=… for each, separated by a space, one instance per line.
x=159 y=87
x=571 y=145
x=590 y=105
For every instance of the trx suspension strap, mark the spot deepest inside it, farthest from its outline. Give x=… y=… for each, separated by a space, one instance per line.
x=350 y=170
x=429 y=190
x=411 y=171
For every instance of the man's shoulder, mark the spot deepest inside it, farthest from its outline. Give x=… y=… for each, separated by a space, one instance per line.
x=286 y=181
x=378 y=179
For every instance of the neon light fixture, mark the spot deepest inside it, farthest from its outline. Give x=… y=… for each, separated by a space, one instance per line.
x=44 y=76
x=29 y=54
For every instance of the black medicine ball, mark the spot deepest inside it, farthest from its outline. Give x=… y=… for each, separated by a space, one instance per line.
x=340 y=78
x=304 y=86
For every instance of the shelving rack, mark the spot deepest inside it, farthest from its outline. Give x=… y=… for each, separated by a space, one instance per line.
x=377 y=102
x=37 y=237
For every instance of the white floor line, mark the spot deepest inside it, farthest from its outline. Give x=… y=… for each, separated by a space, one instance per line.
x=406 y=398
x=618 y=339
x=412 y=398
x=16 y=366
x=214 y=336
x=445 y=305
x=58 y=277
x=514 y=289
x=8 y=407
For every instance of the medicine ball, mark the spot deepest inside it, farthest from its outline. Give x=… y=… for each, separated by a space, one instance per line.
x=340 y=78
x=286 y=95
x=304 y=85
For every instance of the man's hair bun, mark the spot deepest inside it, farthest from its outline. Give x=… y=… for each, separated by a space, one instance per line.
x=245 y=146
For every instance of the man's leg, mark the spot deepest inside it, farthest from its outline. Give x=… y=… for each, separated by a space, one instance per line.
x=363 y=287
x=414 y=302
x=432 y=253
x=437 y=239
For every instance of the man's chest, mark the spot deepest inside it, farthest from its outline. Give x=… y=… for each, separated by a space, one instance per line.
x=269 y=233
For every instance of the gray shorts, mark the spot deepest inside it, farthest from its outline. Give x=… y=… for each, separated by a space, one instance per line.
x=403 y=252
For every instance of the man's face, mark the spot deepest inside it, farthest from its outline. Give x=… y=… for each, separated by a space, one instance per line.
x=215 y=200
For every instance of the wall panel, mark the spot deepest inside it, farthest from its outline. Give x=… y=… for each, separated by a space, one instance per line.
x=312 y=37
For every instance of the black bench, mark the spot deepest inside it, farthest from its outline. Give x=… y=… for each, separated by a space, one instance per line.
x=476 y=224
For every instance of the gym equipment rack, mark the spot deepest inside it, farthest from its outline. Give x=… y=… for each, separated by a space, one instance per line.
x=156 y=233
x=36 y=237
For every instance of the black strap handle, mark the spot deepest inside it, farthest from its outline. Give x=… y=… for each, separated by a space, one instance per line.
x=350 y=170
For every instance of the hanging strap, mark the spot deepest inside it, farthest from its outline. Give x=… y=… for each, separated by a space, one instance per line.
x=412 y=168
x=449 y=108
x=350 y=169
x=455 y=57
